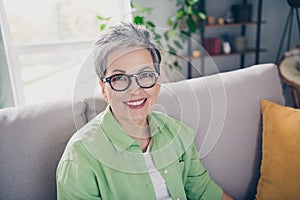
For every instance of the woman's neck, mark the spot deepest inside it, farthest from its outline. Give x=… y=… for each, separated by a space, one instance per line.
x=140 y=132
x=135 y=130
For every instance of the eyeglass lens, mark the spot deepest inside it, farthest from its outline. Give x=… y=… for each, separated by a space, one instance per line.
x=122 y=81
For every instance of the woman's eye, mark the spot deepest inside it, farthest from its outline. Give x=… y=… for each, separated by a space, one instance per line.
x=119 y=78
x=145 y=75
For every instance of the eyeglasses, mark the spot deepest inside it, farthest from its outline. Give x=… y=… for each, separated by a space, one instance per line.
x=121 y=82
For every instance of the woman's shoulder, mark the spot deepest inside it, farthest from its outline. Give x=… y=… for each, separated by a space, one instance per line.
x=81 y=139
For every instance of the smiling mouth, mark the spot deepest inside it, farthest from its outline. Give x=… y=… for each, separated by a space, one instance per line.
x=136 y=104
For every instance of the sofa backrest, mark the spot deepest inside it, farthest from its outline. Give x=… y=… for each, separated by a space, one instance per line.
x=224 y=110
x=32 y=139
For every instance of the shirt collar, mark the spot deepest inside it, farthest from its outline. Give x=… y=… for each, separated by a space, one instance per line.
x=156 y=124
x=119 y=138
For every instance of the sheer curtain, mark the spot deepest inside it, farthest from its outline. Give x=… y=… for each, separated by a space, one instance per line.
x=47 y=41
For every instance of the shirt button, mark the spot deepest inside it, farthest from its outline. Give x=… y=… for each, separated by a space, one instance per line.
x=178 y=199
x=166 y=171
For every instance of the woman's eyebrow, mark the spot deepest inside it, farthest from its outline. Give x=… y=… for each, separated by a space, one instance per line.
x=124 y=72
x=118 y=70
x=147 y=67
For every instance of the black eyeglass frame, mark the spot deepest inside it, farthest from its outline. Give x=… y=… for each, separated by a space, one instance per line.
x=108 y=80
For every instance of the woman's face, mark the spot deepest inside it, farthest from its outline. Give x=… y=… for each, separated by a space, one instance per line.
x=135 y=103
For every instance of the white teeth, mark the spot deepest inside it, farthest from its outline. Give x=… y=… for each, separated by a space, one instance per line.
x=136 y=103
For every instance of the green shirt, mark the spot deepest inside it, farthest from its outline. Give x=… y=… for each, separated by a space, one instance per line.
x=102 y=162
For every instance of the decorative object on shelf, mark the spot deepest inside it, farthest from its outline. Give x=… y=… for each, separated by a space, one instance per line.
x=240 y=43
x=213 y=45
x=228 y=18
x=226 y=47
x=221 y=21
x=242 y=12
x=227 y=43
x=196 y=53
x=211 y=20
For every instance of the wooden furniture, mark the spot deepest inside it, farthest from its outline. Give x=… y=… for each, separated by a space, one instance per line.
x=289 y=70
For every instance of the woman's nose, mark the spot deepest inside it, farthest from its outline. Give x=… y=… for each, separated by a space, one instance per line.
x=134 y=88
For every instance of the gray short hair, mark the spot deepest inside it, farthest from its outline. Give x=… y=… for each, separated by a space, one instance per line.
x=124 y=35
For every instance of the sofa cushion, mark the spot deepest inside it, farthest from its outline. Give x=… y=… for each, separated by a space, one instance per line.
x=32 y=141
x=280 y=168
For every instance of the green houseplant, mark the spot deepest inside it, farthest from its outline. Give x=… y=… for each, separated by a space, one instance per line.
x=189 y=19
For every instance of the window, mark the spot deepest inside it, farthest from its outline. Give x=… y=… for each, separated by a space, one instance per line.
x=51 y=39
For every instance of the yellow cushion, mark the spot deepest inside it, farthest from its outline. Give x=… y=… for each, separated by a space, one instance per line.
x=280 y=168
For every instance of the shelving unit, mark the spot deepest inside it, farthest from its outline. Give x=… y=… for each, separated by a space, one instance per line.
x=255 y=50
x=247 y=51
x=233 y=24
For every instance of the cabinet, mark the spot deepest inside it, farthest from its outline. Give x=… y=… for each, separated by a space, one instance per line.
x=256 y=49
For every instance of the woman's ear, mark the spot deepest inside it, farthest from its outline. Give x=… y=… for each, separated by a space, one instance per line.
x=102 y=87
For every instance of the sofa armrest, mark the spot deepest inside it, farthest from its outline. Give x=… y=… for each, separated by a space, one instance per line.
x=32 y=140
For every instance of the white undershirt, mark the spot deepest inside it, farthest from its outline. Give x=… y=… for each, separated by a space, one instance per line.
x=159 y=184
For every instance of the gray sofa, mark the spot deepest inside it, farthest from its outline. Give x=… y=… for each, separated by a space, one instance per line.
x=224 y=110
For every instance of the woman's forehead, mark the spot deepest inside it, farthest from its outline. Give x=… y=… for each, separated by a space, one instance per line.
x=129 y=59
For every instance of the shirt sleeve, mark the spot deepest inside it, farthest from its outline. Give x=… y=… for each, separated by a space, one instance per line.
x=75 y=180
x=198 y=184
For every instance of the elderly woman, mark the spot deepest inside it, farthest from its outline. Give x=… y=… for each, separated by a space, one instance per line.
x=129 y=151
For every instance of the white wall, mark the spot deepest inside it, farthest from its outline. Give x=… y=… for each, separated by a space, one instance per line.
x=276 y=12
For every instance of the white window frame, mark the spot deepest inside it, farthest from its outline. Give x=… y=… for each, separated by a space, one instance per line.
x=13 y=64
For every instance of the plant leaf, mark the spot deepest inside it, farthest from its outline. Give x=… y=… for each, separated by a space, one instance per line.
x=170 y=22
x=102 y=27
x=177 y=44
x=193 y=1
x=172 y=51
x=141 y=9
x=202 y=15
x=180 y=14
x=192 y=26
x=157 y=38
x=103 y=18
x=184 y=37
x=138 y=20
x=150 y=24
x=176 y=64
x=166 y=36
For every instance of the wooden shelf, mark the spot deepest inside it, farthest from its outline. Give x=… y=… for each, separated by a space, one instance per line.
x=233 y=24
x=247 y=51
